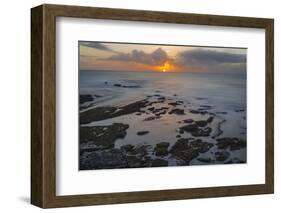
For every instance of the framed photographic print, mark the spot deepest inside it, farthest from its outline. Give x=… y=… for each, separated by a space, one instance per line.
x=136 y=106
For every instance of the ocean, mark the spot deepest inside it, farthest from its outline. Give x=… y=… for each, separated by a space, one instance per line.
x=220 y=95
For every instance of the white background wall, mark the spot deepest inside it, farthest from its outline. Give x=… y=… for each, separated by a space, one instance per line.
x=15 y=105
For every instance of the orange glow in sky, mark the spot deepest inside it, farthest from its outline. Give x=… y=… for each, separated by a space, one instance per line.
x=166 y=67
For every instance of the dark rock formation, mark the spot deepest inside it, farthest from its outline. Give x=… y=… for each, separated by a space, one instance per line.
x=161 y=149
x=85 y=98
x=103 y=136
x=231 y=143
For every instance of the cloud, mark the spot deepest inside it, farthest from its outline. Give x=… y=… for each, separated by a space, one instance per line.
x=157 y=57
x=212 y=60
x=199 y=56
x=97 y=45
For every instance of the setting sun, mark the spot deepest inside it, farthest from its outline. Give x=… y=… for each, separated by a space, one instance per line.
x=166 y=67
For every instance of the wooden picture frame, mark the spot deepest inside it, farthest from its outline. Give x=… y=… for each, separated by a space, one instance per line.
x=43 y=105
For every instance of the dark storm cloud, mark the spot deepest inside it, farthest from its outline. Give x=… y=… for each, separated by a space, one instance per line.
x=157 y=57
x=209 y=57
x=97 y=45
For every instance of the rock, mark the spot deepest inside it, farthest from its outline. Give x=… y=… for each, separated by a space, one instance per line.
x=133 y=162
x=159 y=162
x=222 y=156
x=176 y=103
x=205 y=132
x=185 y=156
x=239 y=110
x=103 y=136
x=201 y=123
x=142 y=132
x=151 y=118
x=234 y=160
x=127 y=148
x=187 y=121
x=196 y=131
x=151 y=108
x=106 y=112
x=201 y=146
x=193 y=111
x=181 y=131
x=163 y=144
x=131 y=86
x=161 y=149
x=85 y=98
x=140 y=151
x=117 y=85
x=232 y=143
x=183 y=152
x=105 y=159
x=178 y=136
x=161 y=98
x=177 y=111
x=210 y=119
x=180 y=145
x=205 y=160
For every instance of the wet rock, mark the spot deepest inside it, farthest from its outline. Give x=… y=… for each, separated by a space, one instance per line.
x=201 y=123
x=106 y=112
x=161 y=98
x=117 y=85
x=185 y=156
x=231 y=143
x=151 y=118
x=103 y=136
x=176 y=103
x=161 y=149
x=204 y=160
x=193 y=111
x=133 y=162
x=183 y=152
x=140 y=151
x=187 y=121
x=210 y=119
x=201 y=146
x=203 y=132
x=85 y=98
x=196 y=131
x=105 y=159
x=239 y=110
x=159 y=162
x=177 y=111
x=234 y=160
x=142 y=132
x=222 y=155
x=151 y=108
x=127 y=148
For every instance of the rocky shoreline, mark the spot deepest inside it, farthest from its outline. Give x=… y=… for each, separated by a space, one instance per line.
x=198 y=139
x=97 y=143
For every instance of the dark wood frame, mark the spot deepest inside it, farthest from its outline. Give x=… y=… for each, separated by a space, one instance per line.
x=43 y=105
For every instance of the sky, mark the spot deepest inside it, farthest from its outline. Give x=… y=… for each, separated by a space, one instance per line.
x=160 y=58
